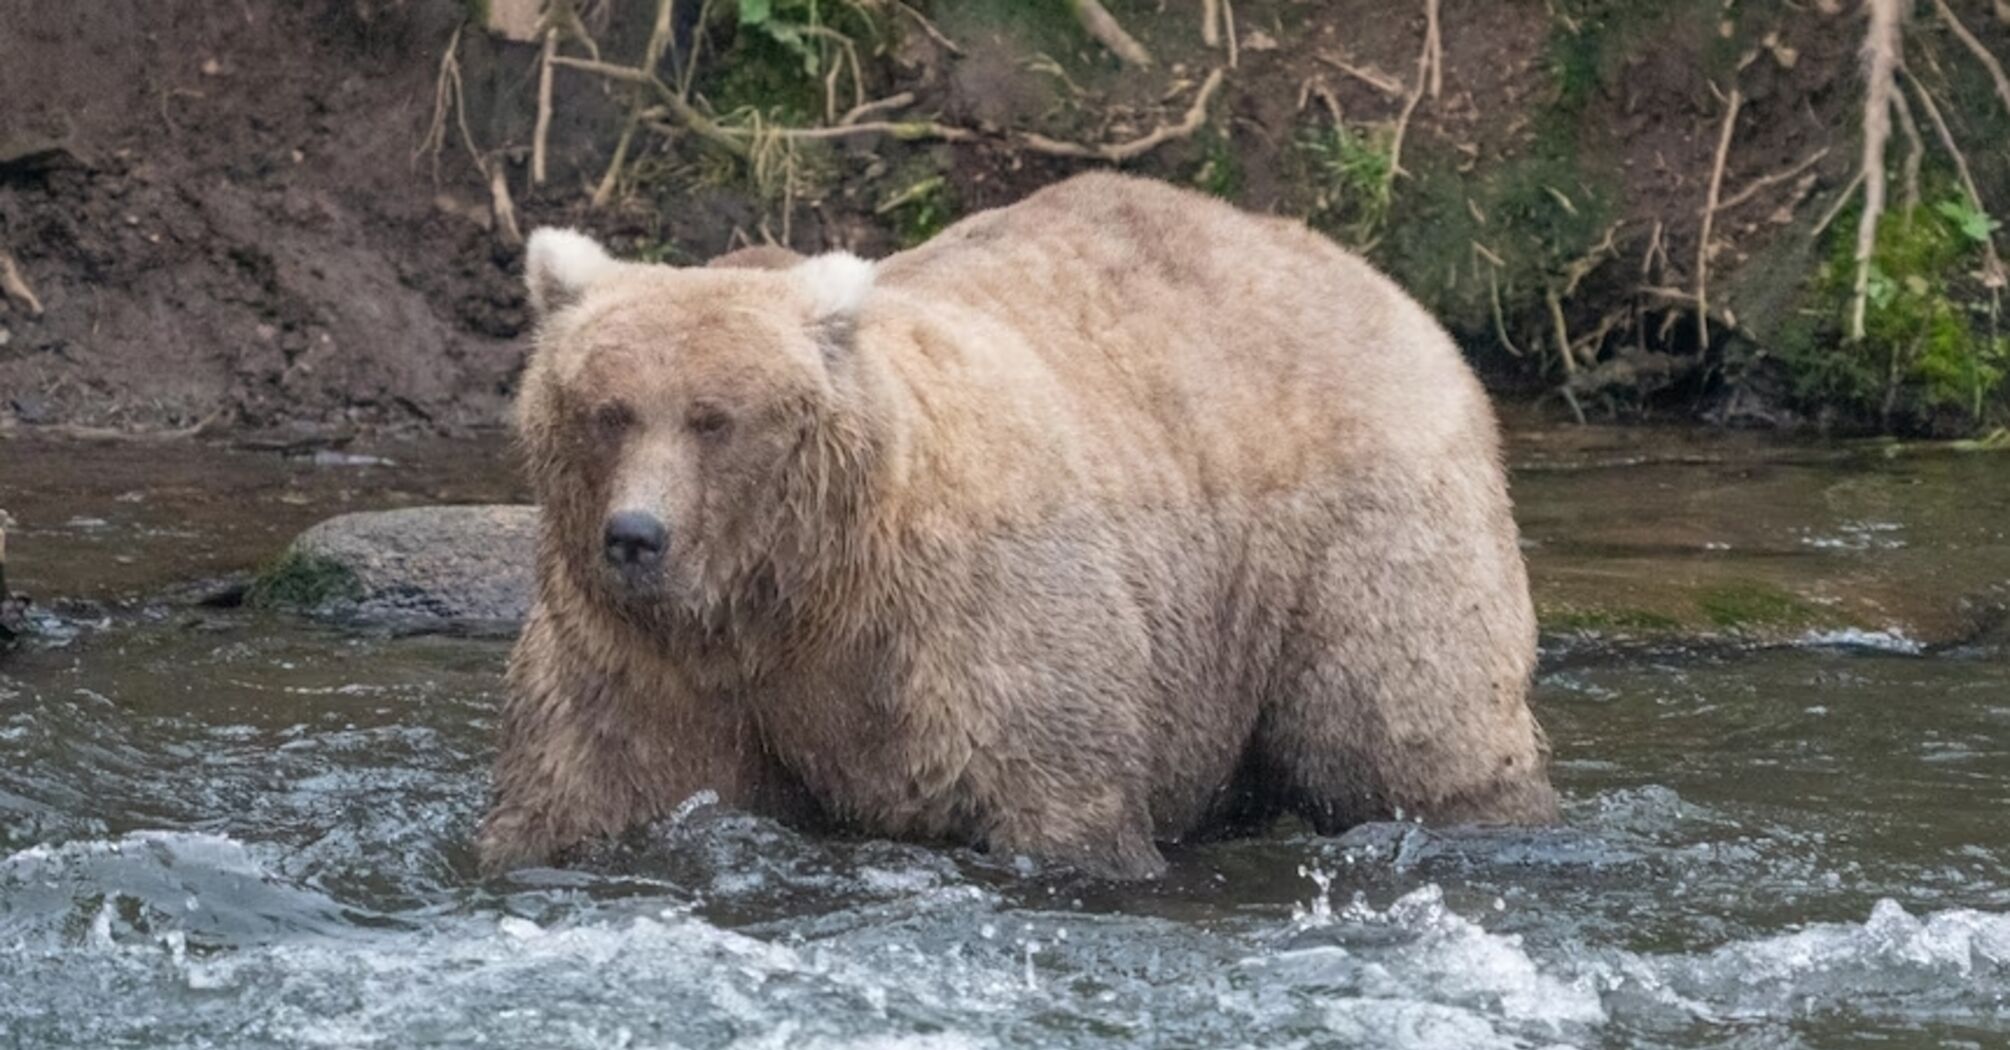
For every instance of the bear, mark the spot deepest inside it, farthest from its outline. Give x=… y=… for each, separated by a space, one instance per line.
x=1113 y=518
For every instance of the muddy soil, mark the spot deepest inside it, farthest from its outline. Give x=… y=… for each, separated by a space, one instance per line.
x=228 y=218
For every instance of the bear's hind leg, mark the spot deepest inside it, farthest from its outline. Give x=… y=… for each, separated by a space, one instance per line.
x=1101 y=836
x=1405 y=687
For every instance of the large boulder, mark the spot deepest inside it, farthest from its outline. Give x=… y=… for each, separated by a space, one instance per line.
x=461 y=564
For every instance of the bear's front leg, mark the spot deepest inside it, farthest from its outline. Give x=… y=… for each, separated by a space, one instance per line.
x=600 y=736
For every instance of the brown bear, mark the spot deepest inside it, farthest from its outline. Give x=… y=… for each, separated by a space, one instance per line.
x=1110 y=518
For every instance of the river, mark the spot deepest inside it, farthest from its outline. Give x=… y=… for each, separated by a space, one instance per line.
x=1787 y=816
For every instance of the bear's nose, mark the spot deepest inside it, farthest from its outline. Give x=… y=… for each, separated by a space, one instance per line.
x=634 y=538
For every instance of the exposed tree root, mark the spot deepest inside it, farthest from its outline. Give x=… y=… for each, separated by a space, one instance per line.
x=929 y=28
x=1836 y=206
x=1368 y=75
x=1099 y=23
x=1759 y=185
x=541 y=132
x=1427 y=64
x=1993 y=276
x=1210 y=22
x=502 y=208
x=1881 y=50
x=1434 y=44
x=1117 y=153
x=15 y=286
x=1915 y=149
x=883 y=105
x=674 y=104
x=1975 y=47
x=1710 y=208
x=611 y=180
x=449 y=97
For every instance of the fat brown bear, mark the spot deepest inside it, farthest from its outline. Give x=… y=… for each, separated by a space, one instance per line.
x=1110 y=518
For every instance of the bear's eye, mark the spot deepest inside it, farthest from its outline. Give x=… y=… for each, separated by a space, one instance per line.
x=613 y=418
x=709 y=421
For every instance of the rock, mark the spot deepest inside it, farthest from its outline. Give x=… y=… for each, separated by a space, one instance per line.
x=420 y=564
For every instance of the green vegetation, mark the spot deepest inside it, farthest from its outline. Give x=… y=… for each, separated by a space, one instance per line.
x=919 y=209
x=1931 y=342
x=1347 y=173
x=1753 y=604
x=301 y=581
x=1220 y=170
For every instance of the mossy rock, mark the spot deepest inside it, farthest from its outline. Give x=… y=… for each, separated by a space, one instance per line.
x=300 y=580
x=416 y=565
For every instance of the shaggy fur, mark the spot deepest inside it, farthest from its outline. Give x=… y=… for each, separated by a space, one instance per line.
x=1110 y=518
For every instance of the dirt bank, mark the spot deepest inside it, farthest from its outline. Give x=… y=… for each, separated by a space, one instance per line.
x=231 y=222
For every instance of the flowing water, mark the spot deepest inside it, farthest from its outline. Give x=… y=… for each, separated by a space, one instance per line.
x=224 y=828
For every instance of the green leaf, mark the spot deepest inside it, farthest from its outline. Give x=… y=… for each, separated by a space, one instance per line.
x=756 y=12
x=1974 y=223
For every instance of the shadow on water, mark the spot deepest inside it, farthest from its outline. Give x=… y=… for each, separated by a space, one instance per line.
x=221 y=828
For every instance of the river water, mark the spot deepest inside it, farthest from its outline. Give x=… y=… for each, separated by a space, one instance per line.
x=226 y=828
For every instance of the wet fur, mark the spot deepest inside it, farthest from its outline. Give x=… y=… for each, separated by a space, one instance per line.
x=1111 y=518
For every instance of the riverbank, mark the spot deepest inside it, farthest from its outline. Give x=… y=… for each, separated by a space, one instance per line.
x=296 y=220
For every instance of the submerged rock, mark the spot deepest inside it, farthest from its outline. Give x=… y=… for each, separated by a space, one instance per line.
x=465 y=563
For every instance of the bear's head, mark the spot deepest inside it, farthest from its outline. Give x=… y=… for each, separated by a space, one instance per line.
x=697 y=437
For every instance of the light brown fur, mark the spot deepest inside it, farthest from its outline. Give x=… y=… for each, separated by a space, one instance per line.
x=1113 y=517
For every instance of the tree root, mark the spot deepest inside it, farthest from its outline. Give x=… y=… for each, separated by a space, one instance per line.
x=1915 y=149
x=1368 y=75
x=541 y=132
x=1881 y=50
x=1117 y=153
x=1710 y=208
x=1759 y=185
x=449 y=95
x=1975 y=47
x=674 y=104
x=1993 y=276
x=1428 y=61
x=1099 y=23
x=15 y=287
x=1836 y=206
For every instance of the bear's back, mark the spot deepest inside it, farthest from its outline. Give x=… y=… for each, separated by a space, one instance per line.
x=1155 y=342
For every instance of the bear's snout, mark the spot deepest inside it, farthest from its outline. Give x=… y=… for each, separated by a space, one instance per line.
x=634 y=539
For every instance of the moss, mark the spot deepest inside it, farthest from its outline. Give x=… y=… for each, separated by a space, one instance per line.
x=296 y=580
x=1753 y=604
x=1926 y=348
x=1601 y=621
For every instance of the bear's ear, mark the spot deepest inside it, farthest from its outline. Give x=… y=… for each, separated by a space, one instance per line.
x=559 y=265
x=836 y=283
